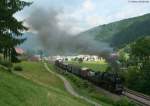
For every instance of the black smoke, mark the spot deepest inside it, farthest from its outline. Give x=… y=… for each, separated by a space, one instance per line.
x=57 y=40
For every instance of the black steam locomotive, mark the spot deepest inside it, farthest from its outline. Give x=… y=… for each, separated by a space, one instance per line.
x=107 y=80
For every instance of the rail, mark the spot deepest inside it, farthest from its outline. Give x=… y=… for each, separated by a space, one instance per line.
x=140 y=98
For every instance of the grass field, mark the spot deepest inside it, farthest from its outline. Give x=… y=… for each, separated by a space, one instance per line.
x=38 y=88
x=96 y=66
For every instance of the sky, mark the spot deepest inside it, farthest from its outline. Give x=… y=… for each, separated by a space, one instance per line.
x=82 y=15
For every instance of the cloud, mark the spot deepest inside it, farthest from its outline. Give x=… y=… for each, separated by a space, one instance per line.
x=88 y=5
x=95 y=20
x=91 y=13
x=78 y=18
x=80 y=15
x=130 y=10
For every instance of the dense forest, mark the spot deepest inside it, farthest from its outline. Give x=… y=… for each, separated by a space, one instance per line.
x=128 y=35
x=120 y=33
x=135 y=62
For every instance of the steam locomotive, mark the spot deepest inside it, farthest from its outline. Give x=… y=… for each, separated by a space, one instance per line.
x=107 y=80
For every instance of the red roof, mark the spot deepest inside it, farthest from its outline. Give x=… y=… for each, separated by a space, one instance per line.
x=19 y=50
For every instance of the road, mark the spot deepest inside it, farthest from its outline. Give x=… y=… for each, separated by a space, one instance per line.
x=69 y=88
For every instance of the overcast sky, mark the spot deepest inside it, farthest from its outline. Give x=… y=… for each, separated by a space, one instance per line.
x=84 y=14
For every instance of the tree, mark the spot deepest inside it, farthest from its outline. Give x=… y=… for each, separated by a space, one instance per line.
x=140 y=51
x=138 y=74
x=123 y=57
x=10 y=28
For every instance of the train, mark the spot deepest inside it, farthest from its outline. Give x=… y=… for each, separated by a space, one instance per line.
x=107 y=80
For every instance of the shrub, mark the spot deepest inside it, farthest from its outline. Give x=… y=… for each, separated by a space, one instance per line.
x=18 y=68
x=6 y=63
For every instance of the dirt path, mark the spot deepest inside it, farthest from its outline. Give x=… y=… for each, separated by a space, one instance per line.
x=69 y=87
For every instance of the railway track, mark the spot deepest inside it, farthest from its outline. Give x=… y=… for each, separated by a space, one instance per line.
x=139 y=98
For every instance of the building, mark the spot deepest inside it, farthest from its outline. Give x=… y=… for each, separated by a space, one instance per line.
x=70 y=58
x=19 y=51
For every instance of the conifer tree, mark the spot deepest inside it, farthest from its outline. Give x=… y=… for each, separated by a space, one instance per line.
x=10 y=28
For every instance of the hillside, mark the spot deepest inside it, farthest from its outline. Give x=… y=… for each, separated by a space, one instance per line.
x=131 y=33
x=37 y=88
x=114 y=33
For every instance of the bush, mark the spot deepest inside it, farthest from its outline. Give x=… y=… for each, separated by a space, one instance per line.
x=124 y=102
x=5 y=63
x=18 y=68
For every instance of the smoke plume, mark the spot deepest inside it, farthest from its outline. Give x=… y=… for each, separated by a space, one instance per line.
x=58 y=40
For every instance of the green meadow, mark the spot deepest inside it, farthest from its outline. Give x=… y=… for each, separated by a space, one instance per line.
x=34 y=86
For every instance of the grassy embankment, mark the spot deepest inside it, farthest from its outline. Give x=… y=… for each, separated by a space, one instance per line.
x=37 y=88
x=87 y=89
x=96 y=66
